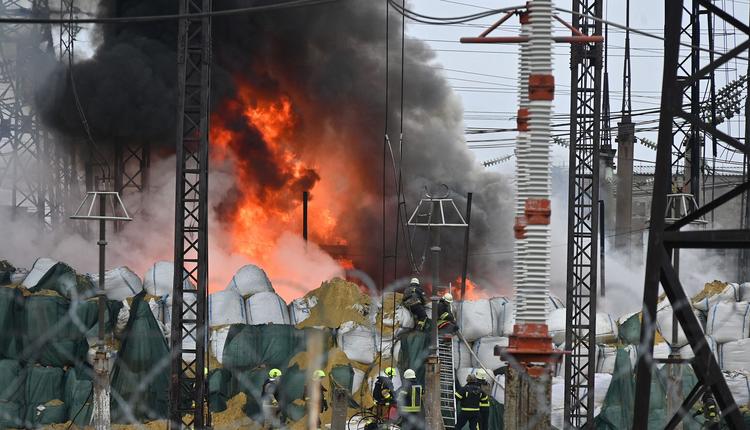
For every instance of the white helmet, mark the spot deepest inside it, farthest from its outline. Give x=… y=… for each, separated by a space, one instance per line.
x=481 y=374
x=414 y=281
x=410 y=374
x=448 y=297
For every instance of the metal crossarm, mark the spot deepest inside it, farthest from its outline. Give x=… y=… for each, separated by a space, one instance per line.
x=188 y=397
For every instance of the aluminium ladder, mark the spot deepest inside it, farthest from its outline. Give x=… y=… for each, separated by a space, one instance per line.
x=447 y=381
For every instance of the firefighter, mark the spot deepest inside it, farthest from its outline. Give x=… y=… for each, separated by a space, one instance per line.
x=382 y=392
x=414 y=300
x=270 y=397
x=409 y=399
x=446 y=320
x=484 y=405
x=318 y=375
x=469 y=397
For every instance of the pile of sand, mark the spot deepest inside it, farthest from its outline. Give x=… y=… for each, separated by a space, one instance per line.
x=339 y=301
x=710 y=289
x=234 y=418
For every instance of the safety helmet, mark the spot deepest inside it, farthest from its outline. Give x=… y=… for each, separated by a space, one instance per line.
x=414 y=281
x=480 y=374
x=389 y=371
x=448 y=297
x=318 y=375
x=471 y=379
x=274 y=373
x=410 y=374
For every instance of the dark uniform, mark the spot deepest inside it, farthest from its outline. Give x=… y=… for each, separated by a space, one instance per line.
x=446 y=320
x=469 y=397
x=484 y=405
x=414 y=300
x=409 y=398
x=270 y=389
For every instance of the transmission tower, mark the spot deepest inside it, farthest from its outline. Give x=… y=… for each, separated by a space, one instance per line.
x=188 y=404
x=665 y=239
x=583 y=215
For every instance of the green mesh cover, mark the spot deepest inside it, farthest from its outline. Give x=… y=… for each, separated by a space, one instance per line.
x=250 y=346
x=43 y=384
x=11 y=321
x=617 y=409
x=12 y=379
x=63 y=279
x=51 y=337
x=630 y=331
x=79 y=395
x=11 y=415
x=219 y=389
x=141 y=373
x=415 y=347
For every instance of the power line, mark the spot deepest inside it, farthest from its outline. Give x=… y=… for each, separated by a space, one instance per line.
x=170 y=17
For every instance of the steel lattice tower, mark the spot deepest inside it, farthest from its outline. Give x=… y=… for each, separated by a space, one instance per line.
x=188 y=405
x=583 y=216
x=26 y=152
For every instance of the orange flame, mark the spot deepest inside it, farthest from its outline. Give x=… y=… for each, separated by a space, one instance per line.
x=473 y=291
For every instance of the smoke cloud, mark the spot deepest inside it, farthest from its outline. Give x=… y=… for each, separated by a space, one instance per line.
x=329 y=61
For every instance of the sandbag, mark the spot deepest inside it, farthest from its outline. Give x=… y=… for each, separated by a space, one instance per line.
x=357 y=342
x=477 y=320
x=606 y=328
x=225 y=308
x=12 y=380
x=299 y=309
x=735 y=355
x=687 y=351
x=119 y=283
x=43 y=384
x=664 y=320
x=11 y=322
x=728 y=321
x=461 y=354
x=730 y=293
x=739 y=385
x=266 y=308
x=249 y=280
x=357 y=380
x=484 y=348
x=387 y=345
x=159 y=280
x=502 y=310
x=556 y=322
x=217 y=340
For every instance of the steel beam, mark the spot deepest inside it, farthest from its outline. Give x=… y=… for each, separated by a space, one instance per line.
x=188 y=396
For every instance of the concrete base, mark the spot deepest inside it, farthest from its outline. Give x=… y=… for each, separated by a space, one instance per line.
x=433 y=415
x=100 y=416
x=528 y=399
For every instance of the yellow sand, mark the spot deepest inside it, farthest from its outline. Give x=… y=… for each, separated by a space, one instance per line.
x=388 y=312
x=339 y=301
x=234 y=417
x=710 y=289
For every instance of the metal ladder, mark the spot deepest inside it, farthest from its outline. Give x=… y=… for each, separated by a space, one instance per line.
x=447 y=381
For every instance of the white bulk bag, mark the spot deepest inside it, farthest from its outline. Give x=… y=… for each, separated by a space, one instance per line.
x=357 y=380
x=226 y=307
x=461 y=354
x=735 y=355
x=730 y=293
x=484 y=348
x=601 y=386
x=476 y=319
x=606 y=328
x=266 y=308
x=728 y=321
x=166 y=308
x=606 y=355
x=119 y=283
x=385 y=344
x=502 y=309
x=357 y=342
x=744 y=292
x=509 y=319
x=558 y=402
x=158 y=280
x=463 y=373
x=664 y=319
x=217 y=339
x=38 y=270
x=249 y=280
x=687 y=351
x=498 y=389
x=739 y=385
x=556 y=322
x=299 y=309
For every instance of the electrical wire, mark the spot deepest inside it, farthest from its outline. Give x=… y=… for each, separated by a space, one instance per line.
x=169 y=17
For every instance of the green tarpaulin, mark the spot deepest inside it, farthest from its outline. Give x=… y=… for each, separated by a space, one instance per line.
x=630 y=330
x=250 y=346
x=6 y=270
x=415 y=347
x=12 y=379
x=10 y=415
x=79 y=395
x=11 y=317
x=140 y=378
x=63 y=279
x=43 y=385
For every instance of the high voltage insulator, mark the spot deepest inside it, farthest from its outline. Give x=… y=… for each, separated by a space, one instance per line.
x=729 y=101
x=647 y=143
x=495 y=161
x=560 y=141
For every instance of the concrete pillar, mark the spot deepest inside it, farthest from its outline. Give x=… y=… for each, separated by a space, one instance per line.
x=528 y=398
x=624 y=217
x=338 y=415
x=433 y=415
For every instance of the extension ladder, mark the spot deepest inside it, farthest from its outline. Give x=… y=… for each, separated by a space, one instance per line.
x=447 y=381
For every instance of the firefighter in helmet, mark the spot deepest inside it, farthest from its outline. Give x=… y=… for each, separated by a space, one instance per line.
x=414 y=300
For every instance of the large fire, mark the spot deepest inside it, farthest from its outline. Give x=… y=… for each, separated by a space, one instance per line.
x=473 y=291
x=263 y=141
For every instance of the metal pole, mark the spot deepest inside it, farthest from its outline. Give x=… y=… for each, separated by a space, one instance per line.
x=465 y=268
x=305 y=198
x=435 y=250
x=100 y=415
x=601 y=248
